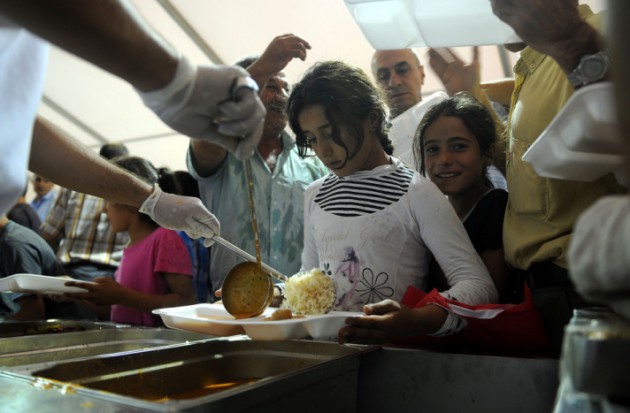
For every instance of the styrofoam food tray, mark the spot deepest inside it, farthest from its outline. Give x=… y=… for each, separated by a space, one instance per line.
x=43 y=284
x=550 y=158
x=214 y=319
x=581 y=142
x=588 y=121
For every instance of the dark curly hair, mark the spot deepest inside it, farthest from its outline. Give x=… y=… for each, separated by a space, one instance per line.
x=348 y=98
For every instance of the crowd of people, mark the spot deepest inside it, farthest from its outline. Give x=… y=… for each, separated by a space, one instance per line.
x=414 y=205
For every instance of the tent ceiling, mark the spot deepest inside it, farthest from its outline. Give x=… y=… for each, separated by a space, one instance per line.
x=95 y=107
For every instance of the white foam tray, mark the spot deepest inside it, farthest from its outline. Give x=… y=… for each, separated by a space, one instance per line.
x=43 y=284
x=214 y=319
x=581 y=143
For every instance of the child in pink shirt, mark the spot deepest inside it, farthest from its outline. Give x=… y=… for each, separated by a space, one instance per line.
x=155 y=270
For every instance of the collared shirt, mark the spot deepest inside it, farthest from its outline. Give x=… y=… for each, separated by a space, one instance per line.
x=86 y=234
x=279 y=200
x=541 y=212
x=404 y=127
x=42 y=205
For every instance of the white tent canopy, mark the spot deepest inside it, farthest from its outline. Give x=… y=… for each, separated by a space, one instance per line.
x=95 y=107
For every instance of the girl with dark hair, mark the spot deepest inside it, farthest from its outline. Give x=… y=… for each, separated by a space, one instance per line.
x=454 y=146
x=155 y=270
x=372 y=223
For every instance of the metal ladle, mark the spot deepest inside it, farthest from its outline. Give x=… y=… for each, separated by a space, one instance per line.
x=247 y=289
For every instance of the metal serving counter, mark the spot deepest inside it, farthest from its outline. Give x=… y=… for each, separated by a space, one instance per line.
x=206 y=376
x=141 y=370
x=410 y=380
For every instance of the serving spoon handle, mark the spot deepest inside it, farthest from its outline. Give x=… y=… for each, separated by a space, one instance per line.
x=271 y=271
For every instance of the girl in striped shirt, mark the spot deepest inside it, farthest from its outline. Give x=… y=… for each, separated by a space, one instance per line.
x=372 y=224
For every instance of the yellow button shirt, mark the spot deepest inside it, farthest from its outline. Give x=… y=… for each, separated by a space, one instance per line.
x=541 y=212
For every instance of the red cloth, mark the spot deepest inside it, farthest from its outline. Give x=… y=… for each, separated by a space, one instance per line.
x=491 y=327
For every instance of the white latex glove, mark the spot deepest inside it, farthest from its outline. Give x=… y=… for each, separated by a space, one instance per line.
x=218 y=103
x=182 y=213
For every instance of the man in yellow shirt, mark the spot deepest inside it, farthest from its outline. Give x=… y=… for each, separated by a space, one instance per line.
x=560 y=40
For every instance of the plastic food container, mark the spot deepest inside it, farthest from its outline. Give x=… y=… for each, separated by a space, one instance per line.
x=43 y=284
x=214 y=319
x=581 y=143
x=398 y=24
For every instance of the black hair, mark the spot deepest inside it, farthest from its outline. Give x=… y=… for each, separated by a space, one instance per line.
x=113 y=150
x=348 y=98
x=475 y=116
x=167 y=181
x=141 y=168
x=187 y=184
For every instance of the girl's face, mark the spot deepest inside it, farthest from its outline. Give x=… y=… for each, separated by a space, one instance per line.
x=452 y=157
x=318 y=131
x=120 y=216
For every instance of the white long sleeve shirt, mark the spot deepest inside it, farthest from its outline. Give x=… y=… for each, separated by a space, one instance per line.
x=374 y=232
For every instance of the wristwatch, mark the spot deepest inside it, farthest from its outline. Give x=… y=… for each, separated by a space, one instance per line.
x=592 y=68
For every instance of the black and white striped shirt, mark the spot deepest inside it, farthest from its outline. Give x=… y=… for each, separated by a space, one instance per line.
x=350 y=197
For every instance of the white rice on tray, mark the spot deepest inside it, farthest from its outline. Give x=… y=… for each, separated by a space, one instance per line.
x=310 y=292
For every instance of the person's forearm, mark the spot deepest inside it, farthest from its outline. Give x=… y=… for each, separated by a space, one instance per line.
x=499 y=90
x=206 y=156
x=149 y=302
x=108 y=33
x=478 y=92
x=260 y=73
x=429 y=319
x=68 y=164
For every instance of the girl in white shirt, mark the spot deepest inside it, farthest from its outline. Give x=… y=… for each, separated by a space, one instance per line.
x=372 y=224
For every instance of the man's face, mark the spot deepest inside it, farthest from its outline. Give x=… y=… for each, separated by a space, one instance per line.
x=41 y=186
x=400 y=75
x=274 y=96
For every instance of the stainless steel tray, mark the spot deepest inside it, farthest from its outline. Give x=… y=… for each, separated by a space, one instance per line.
x=297 y=375
x=30 y=328
x=34 y=349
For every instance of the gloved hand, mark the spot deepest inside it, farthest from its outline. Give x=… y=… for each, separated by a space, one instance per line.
x=218 y=103
x=181 y=213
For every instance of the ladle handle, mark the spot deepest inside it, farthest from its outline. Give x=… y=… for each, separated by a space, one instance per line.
x=227 y=244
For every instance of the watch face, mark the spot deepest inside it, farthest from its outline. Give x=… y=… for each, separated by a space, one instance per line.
x=593 y=68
